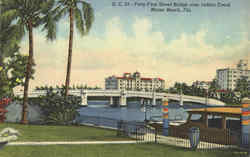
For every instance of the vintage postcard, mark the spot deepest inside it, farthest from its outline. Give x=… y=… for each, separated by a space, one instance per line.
x=142 y=78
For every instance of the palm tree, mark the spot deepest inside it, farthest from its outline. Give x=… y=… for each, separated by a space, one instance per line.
x=26 y=15
x=82 y=14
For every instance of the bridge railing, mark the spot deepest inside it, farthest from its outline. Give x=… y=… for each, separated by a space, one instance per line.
x=144 y=94
x=196 y=99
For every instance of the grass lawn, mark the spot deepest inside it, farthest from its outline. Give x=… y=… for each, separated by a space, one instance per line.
x=62 y=133
x=233 y=104
x=115 y=150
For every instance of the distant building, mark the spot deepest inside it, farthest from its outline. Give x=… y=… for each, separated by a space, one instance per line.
x=202 y=84
x=134 y=82
x=227 y=78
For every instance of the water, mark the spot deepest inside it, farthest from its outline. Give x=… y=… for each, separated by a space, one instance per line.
x=100 y=113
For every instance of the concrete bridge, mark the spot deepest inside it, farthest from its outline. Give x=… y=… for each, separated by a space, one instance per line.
x=120 y=96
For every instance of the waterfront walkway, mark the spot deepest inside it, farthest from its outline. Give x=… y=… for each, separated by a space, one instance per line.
x=149 y=137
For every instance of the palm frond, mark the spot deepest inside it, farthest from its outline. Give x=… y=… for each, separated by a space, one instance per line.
x=8 y=15
x=79 y=21
x=59 y=12
x=19 y=30
x=50 y=27
x=47 y=6
x=8 y=5
x=88 y=12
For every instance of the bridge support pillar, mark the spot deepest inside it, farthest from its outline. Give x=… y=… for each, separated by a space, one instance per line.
x=165 y=117
x=245 y=123
x=149 y=102
x=111 y=101
x=142 y=101
x=123 y=101
x=154 y=100
x=181 y=99
x=84 y=97
x=123 y=98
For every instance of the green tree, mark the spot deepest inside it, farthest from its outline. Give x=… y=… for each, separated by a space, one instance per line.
x=182 y=88
x=8 y=46
x=178 y=87
x=13 y=73
x=12 y=63
x=82 y=14
x=25 y=15
x=243 y=86
x=96 y=87
x=186 y=89
x=229 y=97
x=213 y=88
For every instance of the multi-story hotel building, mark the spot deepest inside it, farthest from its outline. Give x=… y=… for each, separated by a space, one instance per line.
x=134 y=82
x=227 y=78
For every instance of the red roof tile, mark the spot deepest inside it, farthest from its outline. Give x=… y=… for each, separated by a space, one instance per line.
x=161 y=79
x=146 y=78
x=124 y=78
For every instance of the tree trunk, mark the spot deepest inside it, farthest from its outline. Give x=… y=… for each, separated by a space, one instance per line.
x=67 y=82
x=27 y=76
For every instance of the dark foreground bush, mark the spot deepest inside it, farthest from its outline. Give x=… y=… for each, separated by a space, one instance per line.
x=58 y=109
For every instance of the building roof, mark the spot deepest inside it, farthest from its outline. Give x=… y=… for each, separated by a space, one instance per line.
x=132 y=77
x=128 y=78
x=144 y=78
x=161 y=79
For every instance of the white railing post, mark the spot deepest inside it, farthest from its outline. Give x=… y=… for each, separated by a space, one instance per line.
x=84 y=97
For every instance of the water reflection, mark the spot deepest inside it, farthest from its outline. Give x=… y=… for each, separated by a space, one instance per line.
x=133 y=111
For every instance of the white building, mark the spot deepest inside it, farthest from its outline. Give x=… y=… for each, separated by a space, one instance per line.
x=227 y=78
x=134 y=82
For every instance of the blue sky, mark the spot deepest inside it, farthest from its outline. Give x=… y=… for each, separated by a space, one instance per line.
x=184 y=46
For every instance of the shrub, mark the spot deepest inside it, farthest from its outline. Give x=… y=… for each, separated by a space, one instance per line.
x=3 y=103
x=58 y=109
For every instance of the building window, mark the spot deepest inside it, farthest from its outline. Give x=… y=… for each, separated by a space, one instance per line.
x=214 y=121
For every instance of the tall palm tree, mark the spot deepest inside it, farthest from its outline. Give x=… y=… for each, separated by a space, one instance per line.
x=82 y=14
x=26 y=15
